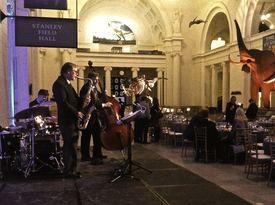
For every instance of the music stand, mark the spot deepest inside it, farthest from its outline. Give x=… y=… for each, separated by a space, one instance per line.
x=128 y=164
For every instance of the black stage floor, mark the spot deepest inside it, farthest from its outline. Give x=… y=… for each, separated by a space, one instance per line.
x=166 y=183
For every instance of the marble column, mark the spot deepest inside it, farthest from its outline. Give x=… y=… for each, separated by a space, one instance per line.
x=66 y=55
x=108 y=70
x=81 y=74
x=214 y=88
x=176 y=78
x=168 y=86
x=41 y=83
x=203 y=87
x=160 y=84
x=134 y=74
x=225 y=85
x=246 y=89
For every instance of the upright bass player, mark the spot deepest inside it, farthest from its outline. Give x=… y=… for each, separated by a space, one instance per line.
x=93 y=127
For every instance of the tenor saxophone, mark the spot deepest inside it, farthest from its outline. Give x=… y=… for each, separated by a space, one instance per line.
x=86 y=109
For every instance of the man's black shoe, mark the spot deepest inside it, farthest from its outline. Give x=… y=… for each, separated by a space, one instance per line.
x=100 y=156
x=86 y=159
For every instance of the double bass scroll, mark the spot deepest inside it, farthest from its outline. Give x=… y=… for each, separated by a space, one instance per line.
x=113 y=136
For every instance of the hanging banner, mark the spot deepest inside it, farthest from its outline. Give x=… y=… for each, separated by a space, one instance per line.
x=269 y=43
x=46 y=4
x=45 y=32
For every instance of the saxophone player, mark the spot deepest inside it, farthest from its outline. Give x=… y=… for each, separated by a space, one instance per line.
x=93 y=127
x=68 y=104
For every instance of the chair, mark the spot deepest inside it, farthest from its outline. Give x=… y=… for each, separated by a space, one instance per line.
x=201 y=143
x=175 y=134
x=272 y=155
x=247 y=152
x=240 y=135
x=163 y=130
x=254 y=158
x=185 y=142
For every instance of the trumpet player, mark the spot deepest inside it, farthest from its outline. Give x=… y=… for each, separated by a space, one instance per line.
x=93 y=127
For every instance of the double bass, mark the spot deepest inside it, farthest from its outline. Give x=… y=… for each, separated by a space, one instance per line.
x=113 y=136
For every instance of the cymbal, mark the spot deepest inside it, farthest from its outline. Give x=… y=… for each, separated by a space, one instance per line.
x=32 y=112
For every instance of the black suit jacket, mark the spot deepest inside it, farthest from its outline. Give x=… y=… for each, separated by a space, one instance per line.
x=251 y=112
x=212 y=132
x=67 y=100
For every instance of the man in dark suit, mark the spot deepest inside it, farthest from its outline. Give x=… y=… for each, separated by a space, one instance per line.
x=252 y=109
x=230 y=111
x=93 y=127
x=68 y=104
x=212 y=132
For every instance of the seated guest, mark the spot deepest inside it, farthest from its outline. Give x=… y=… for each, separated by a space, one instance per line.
x=252 y=109
x=189 y=133
x=212 y=132
x=240 y=121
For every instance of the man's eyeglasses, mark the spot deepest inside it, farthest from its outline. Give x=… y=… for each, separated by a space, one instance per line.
x=75 y=71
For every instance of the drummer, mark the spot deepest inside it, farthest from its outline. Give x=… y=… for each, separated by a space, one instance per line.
x=42 y=97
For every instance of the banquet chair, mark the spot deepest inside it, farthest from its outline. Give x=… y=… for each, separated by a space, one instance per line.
x=164 y=129
x=201 y=143
x=272 y=155
x=240 y=140
x=185 y=142
x=247 y=152
x=175 y=134
x=254 y=158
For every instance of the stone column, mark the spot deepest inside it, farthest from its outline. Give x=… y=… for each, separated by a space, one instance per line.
x=108 y=70
x=168 y=86
x=176 y=78
x=176 y=52
x=81 y=74
x=66 y=55
x=160 y=84
x=246 y=89
x=225 y=85
x=214 y=87
x=41 y=83
x=134 y=74
x=203 y=88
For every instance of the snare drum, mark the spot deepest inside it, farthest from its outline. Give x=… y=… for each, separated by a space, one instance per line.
x=10 y=144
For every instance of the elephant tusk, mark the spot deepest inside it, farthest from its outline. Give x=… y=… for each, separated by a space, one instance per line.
x=235 y=63
x=270 y=79
x=247 y=57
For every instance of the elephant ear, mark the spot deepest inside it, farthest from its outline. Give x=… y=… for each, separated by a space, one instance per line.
x=266 y=59
x=245 y=68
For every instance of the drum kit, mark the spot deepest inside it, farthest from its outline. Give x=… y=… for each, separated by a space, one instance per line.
x=32 y=145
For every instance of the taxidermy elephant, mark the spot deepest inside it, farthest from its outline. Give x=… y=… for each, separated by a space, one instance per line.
x=262 y=66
